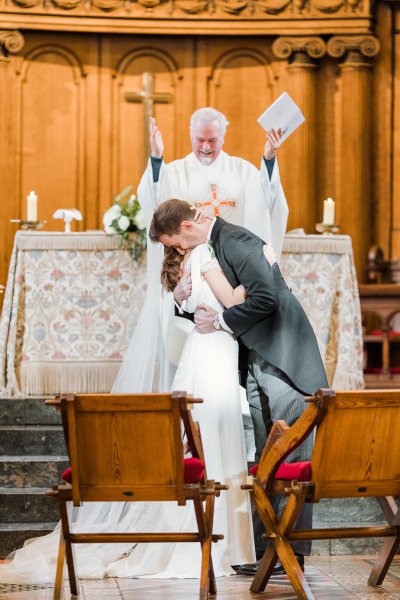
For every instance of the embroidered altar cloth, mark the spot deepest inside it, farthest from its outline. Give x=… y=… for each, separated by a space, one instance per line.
x=320 y=270
x=72 y=302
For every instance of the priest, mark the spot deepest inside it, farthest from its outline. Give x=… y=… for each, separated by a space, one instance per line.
x=219 y=185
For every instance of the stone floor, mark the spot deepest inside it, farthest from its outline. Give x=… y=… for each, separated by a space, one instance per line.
x=330 y=578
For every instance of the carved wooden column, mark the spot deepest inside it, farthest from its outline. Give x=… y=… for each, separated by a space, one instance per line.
x=301 y=189
x=10 y=41
x=356 y=151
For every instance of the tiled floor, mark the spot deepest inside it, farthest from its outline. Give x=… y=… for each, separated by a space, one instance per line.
x=330 y=578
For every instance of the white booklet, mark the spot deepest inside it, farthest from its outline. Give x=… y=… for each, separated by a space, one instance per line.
x=282 y=114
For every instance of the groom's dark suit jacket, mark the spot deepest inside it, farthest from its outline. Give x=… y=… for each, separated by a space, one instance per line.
x=271 y=321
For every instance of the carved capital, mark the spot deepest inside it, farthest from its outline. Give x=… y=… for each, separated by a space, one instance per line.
x=363 y=46
x=301 y=49
x=11 y=41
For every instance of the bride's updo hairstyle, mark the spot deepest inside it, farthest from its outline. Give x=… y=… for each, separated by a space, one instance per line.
x=168 y=218
x=171 y=271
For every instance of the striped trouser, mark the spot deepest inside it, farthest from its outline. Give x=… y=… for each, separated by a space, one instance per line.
x=271 y=397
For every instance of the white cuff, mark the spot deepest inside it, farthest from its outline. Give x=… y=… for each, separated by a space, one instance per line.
x=223 y=324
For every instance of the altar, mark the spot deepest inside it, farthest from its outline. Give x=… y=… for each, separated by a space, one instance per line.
x=72 y=301
x=320 y=270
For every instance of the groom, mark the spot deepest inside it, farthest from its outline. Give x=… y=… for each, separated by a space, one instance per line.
x=284 y=362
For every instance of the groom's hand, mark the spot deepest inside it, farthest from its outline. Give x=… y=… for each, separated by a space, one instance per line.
x=183 y=289
x=204 y=317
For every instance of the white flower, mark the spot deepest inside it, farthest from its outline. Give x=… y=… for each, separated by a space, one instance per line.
x=131 y=199
x=115 y=211
x=140 y=220
x=109 y=229
x=123 y=223
x=107 y=219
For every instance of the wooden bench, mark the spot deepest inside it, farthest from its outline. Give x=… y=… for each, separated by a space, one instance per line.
x=356 y=454
x=128 y=447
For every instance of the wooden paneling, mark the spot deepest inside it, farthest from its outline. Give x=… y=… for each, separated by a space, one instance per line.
x=241 y=86
x=395 y=180
x=385 y=109
x=73 y=138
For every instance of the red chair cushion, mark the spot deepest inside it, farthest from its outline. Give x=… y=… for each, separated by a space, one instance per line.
x=193 y=471
x=380 y=332
x=298 y=470
x=67 y=475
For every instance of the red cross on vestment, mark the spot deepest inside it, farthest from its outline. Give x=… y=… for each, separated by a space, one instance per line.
x=214 y=202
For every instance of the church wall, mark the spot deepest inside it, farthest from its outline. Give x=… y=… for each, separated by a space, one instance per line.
x=73 y=138
x=395 y=214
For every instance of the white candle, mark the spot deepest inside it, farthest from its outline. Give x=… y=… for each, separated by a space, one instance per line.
x=31 y=207
x=329 y=212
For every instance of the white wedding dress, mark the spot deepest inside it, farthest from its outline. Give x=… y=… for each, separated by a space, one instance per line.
x=208 y=370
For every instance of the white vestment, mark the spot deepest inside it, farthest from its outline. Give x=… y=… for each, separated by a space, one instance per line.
x=230 y=187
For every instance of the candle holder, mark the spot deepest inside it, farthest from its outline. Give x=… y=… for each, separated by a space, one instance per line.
x=29 y=224
x=326 y=229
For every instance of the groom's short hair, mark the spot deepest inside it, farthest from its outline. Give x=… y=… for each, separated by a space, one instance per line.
x=168 y=218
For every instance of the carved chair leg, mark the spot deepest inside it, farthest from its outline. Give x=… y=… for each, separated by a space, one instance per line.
x=205 y=533
x=293 y=570
x=286 y=555
x=384 y=560
x=279 y=545
x=265 y=569
x=270 y=521
x=65 y=510
x=207 y=569
x=58 y=583
x=210 y=521
x=389 y=545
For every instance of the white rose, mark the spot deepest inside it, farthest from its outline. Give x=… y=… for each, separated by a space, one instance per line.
x=115 y=211
x=140 y=220
x=109 y=229
x=107 y=219
x=123 y=223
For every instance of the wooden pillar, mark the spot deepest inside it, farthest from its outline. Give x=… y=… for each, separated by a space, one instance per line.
x=302 y=187
x=354 y=196
x=10 y=41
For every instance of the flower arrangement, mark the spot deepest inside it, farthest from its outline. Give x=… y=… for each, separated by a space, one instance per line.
x=125 y=217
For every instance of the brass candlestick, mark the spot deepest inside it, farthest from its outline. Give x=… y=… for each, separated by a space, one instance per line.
x=29 y=224
x=326 y=229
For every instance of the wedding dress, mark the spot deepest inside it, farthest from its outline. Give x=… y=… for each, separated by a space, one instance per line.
x=208 y=370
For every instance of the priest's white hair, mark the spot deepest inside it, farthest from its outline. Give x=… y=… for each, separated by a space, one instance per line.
x=208 y=115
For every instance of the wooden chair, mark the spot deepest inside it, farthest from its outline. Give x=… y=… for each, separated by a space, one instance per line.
x=129 y=448
x=356 y=454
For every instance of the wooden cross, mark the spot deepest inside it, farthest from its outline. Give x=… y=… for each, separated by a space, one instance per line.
x=148 y=97
x=214 y=202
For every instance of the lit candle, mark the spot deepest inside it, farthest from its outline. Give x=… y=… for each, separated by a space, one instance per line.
x=329 y=212
x=31 y=207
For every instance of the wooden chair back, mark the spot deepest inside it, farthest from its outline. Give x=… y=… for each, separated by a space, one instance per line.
x=125 y=447
x=356 y=453
x=128 y=447
x=356 y=444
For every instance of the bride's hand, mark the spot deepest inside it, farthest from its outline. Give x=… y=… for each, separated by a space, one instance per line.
x=183 y=288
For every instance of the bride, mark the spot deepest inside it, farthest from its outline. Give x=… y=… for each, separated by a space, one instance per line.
x=207 y=369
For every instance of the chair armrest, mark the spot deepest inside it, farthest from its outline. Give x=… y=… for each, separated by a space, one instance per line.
x=282 y=439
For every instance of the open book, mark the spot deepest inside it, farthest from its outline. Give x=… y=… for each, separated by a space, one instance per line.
x=284 y=114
